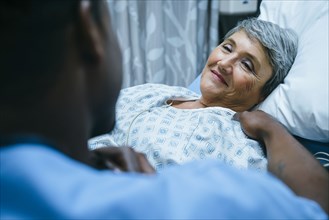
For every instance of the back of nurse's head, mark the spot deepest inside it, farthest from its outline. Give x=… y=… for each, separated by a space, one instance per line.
x=34 y=44
x=280 y=45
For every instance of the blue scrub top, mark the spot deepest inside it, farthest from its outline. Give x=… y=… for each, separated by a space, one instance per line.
x=40 y=182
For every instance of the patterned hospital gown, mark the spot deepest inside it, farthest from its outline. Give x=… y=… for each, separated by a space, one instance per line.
x=168 y=135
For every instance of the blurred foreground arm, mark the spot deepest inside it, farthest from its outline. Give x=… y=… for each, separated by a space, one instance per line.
x=287 y=158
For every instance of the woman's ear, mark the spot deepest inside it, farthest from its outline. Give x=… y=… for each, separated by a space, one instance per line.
x=89 y=35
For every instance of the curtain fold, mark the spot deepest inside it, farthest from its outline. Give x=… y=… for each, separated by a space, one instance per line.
x=164 y=41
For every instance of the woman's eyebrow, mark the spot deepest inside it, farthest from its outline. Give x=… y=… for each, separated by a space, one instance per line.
x=231 y=41
x=253 y=58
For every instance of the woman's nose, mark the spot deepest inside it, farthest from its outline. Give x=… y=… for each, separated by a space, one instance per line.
x=226 y=64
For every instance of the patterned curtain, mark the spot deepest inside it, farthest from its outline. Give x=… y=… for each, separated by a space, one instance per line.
x=164 y=41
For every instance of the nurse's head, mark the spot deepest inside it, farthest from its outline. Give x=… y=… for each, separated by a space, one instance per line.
x=60 y=71
x=248 y=65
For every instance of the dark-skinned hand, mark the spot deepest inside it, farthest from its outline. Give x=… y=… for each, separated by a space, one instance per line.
x=120 y=159
x=255 y=124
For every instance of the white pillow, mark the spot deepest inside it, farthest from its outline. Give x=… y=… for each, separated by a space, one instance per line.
x=301 y=103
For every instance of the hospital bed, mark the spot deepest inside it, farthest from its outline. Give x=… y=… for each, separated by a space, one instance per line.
x=301 y=103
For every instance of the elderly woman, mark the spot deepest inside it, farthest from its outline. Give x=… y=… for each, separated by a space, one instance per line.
x=173 y=125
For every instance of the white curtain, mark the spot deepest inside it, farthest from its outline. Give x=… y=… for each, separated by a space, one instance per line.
x=164 y=41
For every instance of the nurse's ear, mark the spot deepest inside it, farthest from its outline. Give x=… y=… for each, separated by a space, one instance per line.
x=89 y=36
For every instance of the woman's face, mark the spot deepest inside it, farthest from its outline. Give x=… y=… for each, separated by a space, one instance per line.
x=235 y=73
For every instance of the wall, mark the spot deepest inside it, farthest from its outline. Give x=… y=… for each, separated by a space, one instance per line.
x=227 y=22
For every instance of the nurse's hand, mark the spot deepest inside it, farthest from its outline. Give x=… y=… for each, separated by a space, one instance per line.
x=121 y=159
x=258 y=124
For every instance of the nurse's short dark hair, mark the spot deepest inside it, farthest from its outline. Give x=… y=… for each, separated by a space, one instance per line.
x=34 y=44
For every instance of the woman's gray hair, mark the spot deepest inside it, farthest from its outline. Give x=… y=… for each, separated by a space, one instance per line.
x=280 y=44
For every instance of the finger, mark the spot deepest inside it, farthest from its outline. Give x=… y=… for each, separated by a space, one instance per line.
x=130 y=160
x=98 y=161
x=112 y=166
x=236 y=116
x=146 y=167
x=125 y=159
x=108 y=152
x=117 y=157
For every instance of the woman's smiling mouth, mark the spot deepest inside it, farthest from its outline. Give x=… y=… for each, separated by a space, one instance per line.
x=218 y=77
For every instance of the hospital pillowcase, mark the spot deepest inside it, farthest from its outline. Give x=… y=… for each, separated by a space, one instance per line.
x=301 y=103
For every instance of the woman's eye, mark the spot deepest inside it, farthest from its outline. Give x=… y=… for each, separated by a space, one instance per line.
x=227 y=47
x=248 y=66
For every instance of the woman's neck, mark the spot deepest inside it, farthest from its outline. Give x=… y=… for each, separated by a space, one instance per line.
x=190 y=104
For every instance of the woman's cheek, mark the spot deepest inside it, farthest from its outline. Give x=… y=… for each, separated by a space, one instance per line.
x=249 y=83
x=215 y=56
